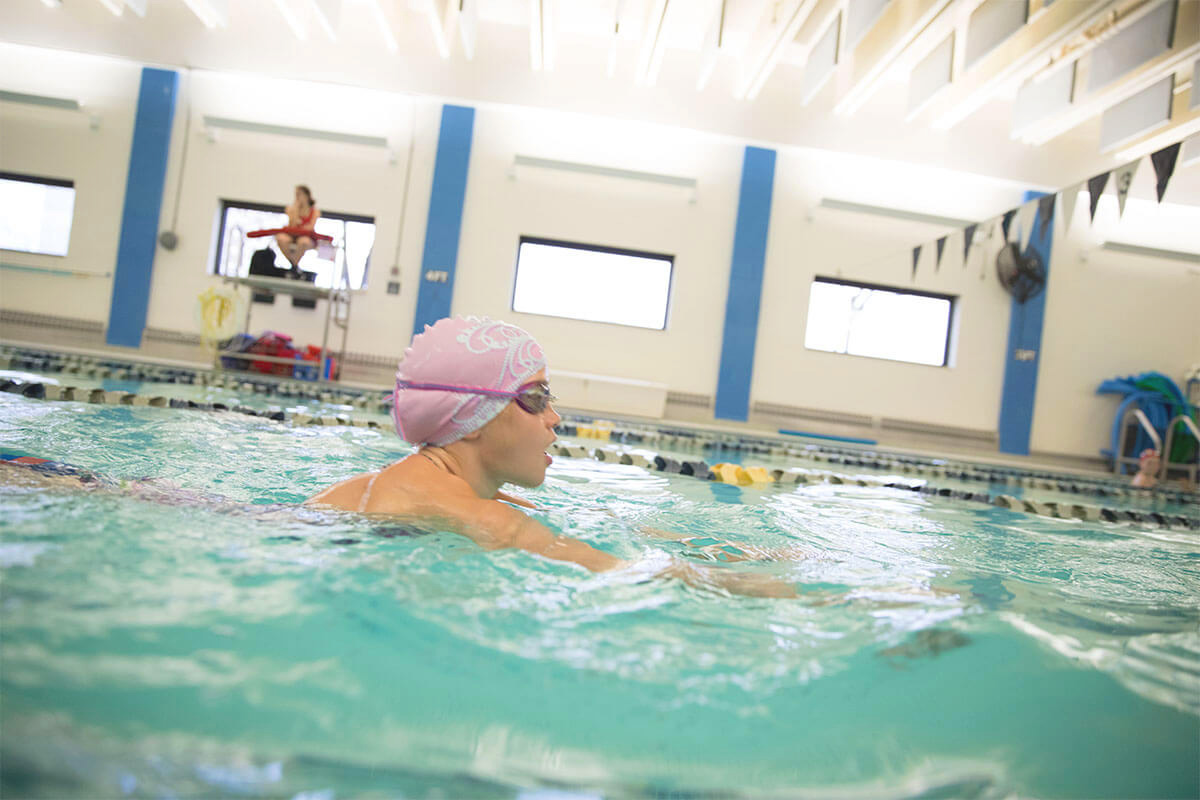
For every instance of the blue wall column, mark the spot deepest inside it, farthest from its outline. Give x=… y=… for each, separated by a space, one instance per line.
x=1024 y=349
x=745 y=284
x=444 y=225
x=143 y=203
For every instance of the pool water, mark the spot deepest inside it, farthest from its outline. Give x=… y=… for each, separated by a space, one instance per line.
x=198 y=636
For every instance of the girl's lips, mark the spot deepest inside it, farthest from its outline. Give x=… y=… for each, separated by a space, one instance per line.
x=549 y=460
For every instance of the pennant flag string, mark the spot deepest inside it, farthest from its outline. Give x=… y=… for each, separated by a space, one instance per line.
x=1046 y=212
x=1096 y=186
x=1124 y=178
x=1069 y=198
x=1041 y=210
x=1164 y=167
x=1007 y=223
x=1026 y=214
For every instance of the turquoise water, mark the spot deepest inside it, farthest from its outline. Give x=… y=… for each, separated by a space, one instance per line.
x=210 y=640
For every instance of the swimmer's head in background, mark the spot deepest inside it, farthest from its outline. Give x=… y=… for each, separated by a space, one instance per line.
x=462 y=352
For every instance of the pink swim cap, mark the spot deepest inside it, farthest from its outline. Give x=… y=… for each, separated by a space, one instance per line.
x=472 y=352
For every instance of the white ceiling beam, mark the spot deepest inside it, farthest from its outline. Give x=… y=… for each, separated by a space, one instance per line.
x=899 y=26
x=293 y=15
x=382 y=11
x=1031 y=49
x=614 y=39
x=952 y=21
x=468 y=26
x=541 y=34
x=213 y=13
x=441 y=19
x=650 y=53
x=327 y=13
x=711 y=48
x=787 y=21
x=1181 y=55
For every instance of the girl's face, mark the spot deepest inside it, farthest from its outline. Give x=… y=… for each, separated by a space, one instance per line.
x=513 y=444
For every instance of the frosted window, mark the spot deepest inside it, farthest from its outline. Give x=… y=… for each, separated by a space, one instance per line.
x=353 y=240
x=862 y=320
x=596 y=284
x=36 y=214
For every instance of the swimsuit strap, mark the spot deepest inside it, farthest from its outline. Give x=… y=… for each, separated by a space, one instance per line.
x=307 y=219
x=362 y=504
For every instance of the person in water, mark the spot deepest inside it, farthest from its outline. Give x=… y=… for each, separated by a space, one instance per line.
x=1149 y=463
x=302 y=213
x=473 y=395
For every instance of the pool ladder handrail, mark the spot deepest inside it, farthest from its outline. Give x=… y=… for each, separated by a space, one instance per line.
x=1190 y=469
x=1120 y=460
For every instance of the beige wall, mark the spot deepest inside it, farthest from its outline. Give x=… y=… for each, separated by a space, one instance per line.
x=64 y=144
x=1107 y=315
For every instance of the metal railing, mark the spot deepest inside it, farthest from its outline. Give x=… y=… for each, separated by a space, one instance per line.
x=1119 y=457
x=1189 y=469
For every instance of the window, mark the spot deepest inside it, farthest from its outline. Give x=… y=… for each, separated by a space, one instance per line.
x=596 y=284
x=355 y=235
x=36 y=214
x=877 y=321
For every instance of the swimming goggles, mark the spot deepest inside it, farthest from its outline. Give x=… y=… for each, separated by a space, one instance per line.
x=533 y=397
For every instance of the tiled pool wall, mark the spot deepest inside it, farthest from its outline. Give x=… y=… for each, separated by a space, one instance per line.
x=729 y=457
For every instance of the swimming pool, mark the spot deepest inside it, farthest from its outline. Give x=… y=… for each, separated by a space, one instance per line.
x=168 y=643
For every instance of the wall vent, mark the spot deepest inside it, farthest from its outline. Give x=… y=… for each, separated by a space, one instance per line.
x=932 y=429
x=50 y=321
x=690 y=399
x=818 y=414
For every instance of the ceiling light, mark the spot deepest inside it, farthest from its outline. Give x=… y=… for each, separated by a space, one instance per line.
x=115 y=6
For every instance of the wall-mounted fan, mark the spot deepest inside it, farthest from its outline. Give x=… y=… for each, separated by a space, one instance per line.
x=1022 y=275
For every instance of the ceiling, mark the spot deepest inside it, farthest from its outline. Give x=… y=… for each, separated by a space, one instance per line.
x=744 y=69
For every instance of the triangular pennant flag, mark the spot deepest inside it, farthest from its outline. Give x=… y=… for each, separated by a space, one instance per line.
x=941 y=245
x=1026 y=214
x=1124 y=179
x=1045 y=212
x=1096 y=186
x=1007 y=223
x=916 y=258
x=1069 y=197
x=968 y=235
x=1164 y=167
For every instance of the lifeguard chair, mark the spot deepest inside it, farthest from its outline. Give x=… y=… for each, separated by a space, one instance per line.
x=337 y=297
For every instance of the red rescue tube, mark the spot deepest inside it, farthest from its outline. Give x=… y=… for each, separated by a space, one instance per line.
x=316 y=237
